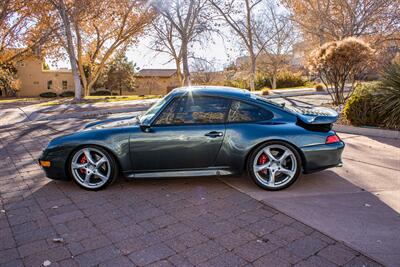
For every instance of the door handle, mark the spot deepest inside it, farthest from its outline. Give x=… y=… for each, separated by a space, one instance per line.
x=214 y=134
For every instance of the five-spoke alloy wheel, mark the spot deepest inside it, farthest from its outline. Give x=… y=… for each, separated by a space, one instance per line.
x=92 y=167
x=274 y=165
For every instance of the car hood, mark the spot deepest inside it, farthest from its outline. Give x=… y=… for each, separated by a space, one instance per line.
x=113 y=123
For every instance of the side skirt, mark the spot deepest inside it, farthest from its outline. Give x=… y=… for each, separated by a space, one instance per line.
x=180 y=173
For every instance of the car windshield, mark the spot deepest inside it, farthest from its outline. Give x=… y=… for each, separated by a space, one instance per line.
x=153 y=110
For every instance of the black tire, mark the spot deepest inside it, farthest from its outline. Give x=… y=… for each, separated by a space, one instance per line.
x=112 y=163
x=255 y=152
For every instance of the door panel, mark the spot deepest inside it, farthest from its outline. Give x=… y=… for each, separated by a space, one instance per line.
x=177 y=147
x=186 y=135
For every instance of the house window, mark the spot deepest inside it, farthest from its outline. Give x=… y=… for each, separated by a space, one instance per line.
x=64 y=85
x=49 y=85
x=36 y=83
x=21 y=64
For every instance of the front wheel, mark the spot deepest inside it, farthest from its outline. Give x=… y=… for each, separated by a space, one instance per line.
x=92 y=167
x=274 y=165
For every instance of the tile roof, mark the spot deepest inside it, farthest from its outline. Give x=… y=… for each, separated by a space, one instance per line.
x=156 y=72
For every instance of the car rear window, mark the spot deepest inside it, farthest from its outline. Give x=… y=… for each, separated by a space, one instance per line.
x=244 y=112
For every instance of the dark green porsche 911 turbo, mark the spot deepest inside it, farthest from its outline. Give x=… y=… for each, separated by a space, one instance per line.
x=200 y=131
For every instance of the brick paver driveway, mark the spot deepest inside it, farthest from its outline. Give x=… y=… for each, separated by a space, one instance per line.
x=170 y=222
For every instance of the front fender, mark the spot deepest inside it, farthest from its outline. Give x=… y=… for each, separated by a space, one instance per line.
x=116 y=141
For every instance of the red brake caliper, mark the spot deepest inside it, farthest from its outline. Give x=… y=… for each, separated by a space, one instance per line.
x=82 y=161
x=262 y=160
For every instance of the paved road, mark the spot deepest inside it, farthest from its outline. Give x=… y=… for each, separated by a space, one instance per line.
x=173 y=222
x=358 y=204
x=32 y=111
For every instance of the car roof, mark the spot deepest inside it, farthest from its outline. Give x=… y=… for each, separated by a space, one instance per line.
x=214 y=91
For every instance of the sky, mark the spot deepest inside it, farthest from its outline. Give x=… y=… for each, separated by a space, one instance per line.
x=216 y=51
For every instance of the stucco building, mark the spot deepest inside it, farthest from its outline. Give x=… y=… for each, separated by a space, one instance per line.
x=156 y=81
x=35 y=80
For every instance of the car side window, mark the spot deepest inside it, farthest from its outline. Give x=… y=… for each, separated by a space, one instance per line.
x=167 y=115
x=195 y=110
x=243 y=112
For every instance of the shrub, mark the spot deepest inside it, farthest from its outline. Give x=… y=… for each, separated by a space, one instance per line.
x=361 y=108
x=289 y=79
x=48 y=95
x=239 y=83
x=340 y=62
x=265 y=91
x=388 y=101
x=284 y=79
x=319 y=87
x=101 y=93
x=67 y=94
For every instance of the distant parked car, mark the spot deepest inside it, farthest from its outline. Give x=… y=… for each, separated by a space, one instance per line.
x=197 y=131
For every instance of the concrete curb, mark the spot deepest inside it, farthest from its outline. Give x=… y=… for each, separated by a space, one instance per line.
x=375 y=132
x=283 y=95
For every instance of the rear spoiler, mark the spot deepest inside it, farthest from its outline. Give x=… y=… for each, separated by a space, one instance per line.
x=316 y=115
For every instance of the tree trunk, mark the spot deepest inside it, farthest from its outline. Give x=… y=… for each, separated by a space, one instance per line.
x=321 y=36
x=185 y=64
x=179 y=71
x=274 y=78
x=252 y=71
x=71 y=50
x=250 y=46
x=87 y=90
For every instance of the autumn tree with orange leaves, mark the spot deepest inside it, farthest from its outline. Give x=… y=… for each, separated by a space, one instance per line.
x=24 y=28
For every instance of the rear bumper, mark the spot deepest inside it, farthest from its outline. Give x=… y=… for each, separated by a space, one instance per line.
x=321 y=157
x=57 y=169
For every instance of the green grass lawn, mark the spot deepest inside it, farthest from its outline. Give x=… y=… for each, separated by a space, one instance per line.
x=18 y=99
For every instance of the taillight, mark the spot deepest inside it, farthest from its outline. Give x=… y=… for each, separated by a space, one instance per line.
x=332 y=139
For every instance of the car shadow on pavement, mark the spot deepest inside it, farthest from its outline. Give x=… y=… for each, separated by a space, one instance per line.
x=335 y=206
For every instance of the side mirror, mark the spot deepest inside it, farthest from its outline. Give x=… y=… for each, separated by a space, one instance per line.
x=145 y=128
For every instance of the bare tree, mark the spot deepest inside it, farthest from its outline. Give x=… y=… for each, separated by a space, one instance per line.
x=275 y=36
x=203 y=71
x=239 y=15
x=186 y=22
x=329 y=20
x=167 y=41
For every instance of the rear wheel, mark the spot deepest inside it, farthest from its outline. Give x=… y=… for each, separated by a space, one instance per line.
x=92 y=168
x=274 y=165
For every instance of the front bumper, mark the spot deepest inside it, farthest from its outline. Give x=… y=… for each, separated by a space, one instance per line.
x=319 y=157
x=57 y=169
